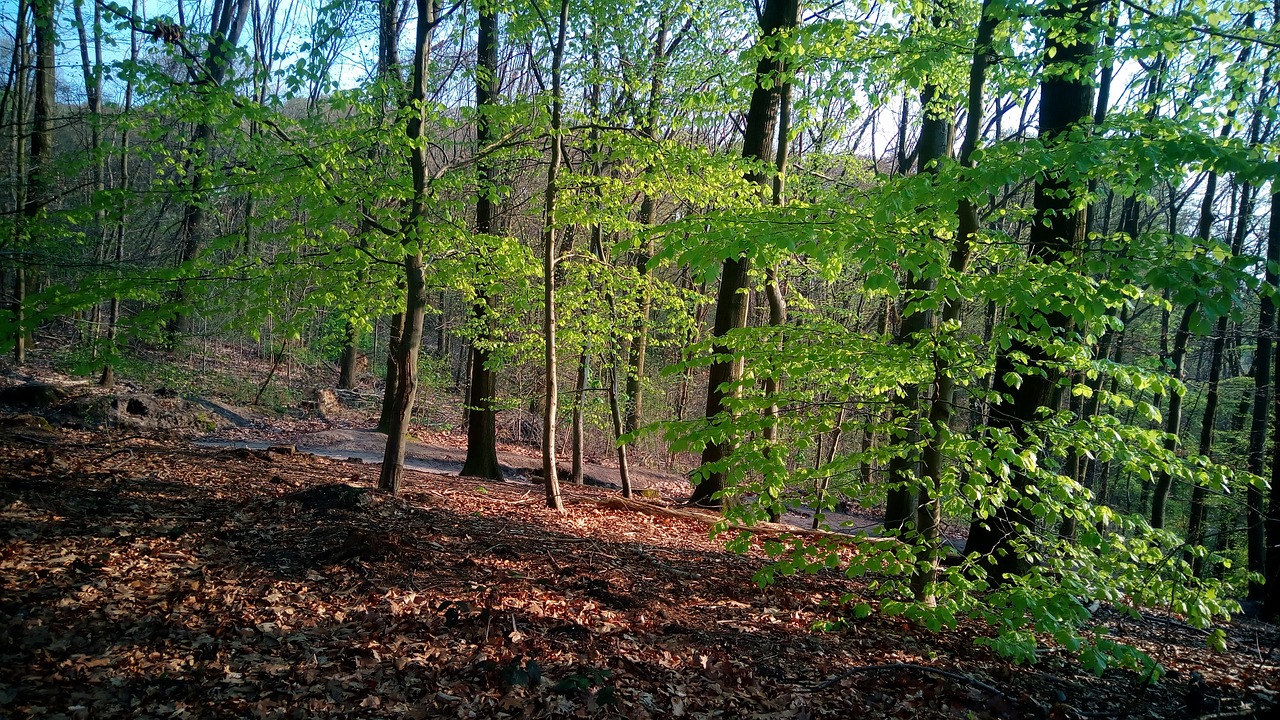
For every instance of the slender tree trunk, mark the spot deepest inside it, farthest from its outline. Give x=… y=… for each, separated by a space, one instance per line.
x=1271 y=603
x=410 y=342
x=551 y=385
x=732 y=298
x=640 y=343
x=904 y=468
x=1204 y=231
x=775 y=296
x=350 y=356
x=1057 y=233
x=386 y=421
x=1173 y=421
x=1200 y=493
x=227 y=20
x=91 y=71
x=929 y=508
x=833 y=449
x=17 y=127
x=579 y=430
x=624 y=470
x=482 y=432
x=388 y=69
x=1262 y=389
x=108 y=377
x=41 y=182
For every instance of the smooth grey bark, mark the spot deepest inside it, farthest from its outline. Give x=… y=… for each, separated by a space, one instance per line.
x=551 y=398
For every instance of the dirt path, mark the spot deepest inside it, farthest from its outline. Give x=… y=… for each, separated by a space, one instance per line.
x=367 y=446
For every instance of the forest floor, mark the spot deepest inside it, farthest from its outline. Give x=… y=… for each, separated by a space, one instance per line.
x=152 y=577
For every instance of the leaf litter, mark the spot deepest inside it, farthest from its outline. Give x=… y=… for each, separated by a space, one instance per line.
x=147 y=580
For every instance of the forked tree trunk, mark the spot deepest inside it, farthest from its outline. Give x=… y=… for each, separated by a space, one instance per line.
x=732 y=297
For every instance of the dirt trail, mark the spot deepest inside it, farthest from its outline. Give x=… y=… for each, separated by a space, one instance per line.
x=367 y=446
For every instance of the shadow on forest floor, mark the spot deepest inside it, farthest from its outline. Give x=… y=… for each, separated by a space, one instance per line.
x=168 y=581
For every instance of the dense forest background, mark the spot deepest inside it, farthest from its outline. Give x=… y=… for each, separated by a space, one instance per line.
x=1008 y=266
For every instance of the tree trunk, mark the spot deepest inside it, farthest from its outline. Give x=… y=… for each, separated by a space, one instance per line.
x=482 y=433
x=1200 y=493
x=1173 y=421
x=350 y=354
x=1058 y=232
x=904 y=468
x=640 y=343
x=226 y=22
x=392 y=386
x=1262 y=389
x=929 y=508
x=16 y=126
x=406 y=362
x=1271 y=604
x=91 y=71
x=774 y=294
x=40 y=183
x=615 y=410
x=579 y=431
x=406 y=355
x=551 y=396
x=732 y=298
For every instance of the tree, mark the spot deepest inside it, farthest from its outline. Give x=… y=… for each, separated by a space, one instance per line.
x=482 y=436
x=928 y=514
x=1027 y=386
x=226 y=22
x=732 y=299
x=551 y=388
x=40 y=189
x=410 y=340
